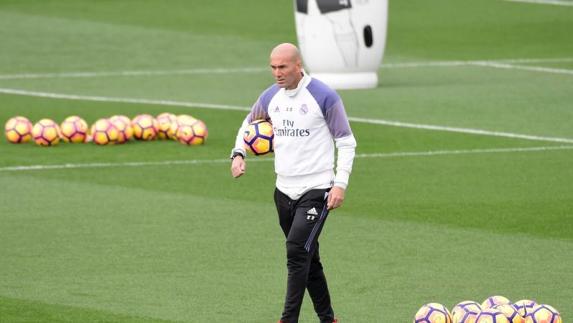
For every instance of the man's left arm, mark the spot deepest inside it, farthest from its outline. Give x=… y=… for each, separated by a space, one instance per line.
x=345 y=145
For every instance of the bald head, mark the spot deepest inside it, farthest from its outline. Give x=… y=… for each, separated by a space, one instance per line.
x=286 y=65
x=288 y=51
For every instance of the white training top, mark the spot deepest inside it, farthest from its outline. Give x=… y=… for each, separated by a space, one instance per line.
x=307 y=122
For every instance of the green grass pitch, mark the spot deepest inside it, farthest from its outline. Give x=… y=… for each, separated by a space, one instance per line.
x=159 y=232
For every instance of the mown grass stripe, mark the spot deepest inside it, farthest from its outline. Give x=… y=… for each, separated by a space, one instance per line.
x=219 y=161
x=248 y=70
x=75 y=97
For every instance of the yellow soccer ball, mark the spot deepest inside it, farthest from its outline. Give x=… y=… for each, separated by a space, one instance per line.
x=524 y=306
x=433 y=313
x=491 y=315
x=104 y=132
x=46 y=133
x=510 y=313
x=182 y=119
x=144 y=127
x=543 y=313
x=465 y=312
x=124 y=128
x=74 y=129
x=18 y=130
x=258 y=137
x=494 y=300
x=164 y=123
x=192 y=134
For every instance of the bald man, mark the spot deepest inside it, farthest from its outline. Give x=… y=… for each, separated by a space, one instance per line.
x=309 y=122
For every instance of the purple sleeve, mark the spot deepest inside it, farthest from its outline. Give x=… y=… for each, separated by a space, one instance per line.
x=260 y=109
x=332 y=108
x=337 y=120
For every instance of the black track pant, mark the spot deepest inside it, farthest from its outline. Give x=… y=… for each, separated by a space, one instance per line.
x=301 y=223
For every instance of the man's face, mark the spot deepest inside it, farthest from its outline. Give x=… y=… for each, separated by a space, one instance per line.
x=286 y=70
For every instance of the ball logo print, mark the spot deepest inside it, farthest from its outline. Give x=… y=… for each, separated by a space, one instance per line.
x=46 y=133
x=258 y=137
x=18 y=130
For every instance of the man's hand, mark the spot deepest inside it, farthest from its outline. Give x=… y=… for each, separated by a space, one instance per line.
x=335 y=197
x=238 y=166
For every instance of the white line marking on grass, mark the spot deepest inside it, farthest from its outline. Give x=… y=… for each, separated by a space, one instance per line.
x=475 y=62
x=111 y=165
x=461 y=130
x=463 y=152
x=547 y=2
x=226 y=160
x=133 y=73
x=262 y=69
x=534 y=60
x=525 y=68
x=503 y=64
x=74 y=97
x=246 y=109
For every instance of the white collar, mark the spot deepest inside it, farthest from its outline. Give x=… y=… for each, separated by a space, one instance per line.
x=302 y=83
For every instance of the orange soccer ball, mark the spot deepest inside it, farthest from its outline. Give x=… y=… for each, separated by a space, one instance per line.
x=194 y=133
x=258 y=137
x=104 y=132
x=543 y=313
x=18 y=130
x=144 y=127
x=182 y=119
x=46 y=133
x=124 y=128
x=164 y=123
x=74 y=129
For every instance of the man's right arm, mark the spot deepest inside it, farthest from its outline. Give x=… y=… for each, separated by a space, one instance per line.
x=238 y=154
x=258 y=111
x=238 y=166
